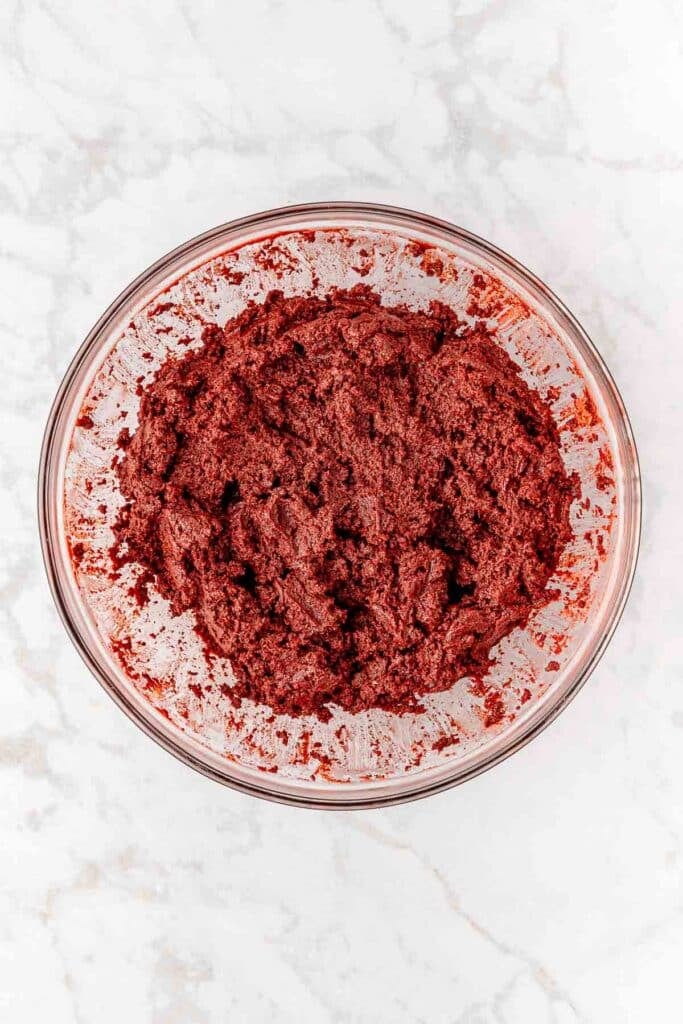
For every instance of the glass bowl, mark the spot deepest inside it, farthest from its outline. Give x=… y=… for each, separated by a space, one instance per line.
x=356 y=760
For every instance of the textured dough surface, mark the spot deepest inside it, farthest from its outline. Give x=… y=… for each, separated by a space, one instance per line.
x=356 y=502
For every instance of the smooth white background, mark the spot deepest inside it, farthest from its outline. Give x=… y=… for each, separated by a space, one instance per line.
x=550 y=889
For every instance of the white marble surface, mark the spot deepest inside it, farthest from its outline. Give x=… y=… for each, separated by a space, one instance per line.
x=548 y=890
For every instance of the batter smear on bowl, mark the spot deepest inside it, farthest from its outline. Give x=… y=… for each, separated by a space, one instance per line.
x=356 y=502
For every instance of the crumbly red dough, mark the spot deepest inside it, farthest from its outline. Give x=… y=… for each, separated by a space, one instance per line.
x=357 y=502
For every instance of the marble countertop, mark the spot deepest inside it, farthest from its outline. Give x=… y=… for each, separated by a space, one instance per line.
x=548 y=890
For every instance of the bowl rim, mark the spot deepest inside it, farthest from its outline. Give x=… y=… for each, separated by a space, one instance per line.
x=346 y=211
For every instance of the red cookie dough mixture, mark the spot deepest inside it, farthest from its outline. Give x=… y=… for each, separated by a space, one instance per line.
x=356 y=502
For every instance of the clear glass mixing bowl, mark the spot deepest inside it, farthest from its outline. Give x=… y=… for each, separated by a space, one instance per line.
x=375 y=758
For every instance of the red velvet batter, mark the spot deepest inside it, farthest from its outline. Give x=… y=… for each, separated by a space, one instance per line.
x=356 y=502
